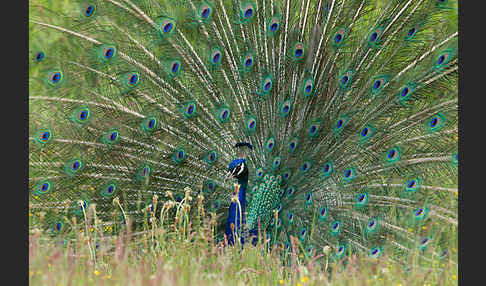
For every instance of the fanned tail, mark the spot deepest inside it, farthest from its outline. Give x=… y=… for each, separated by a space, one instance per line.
x=351 y=108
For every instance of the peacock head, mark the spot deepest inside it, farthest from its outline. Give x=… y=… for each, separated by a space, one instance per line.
x=238 y=169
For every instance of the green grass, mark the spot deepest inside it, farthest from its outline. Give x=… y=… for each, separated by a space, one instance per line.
x=176 y=249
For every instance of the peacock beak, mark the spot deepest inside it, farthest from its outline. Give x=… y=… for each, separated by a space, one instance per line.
x=229 y=174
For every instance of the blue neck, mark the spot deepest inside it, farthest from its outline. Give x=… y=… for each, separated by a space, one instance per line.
x=243 y=182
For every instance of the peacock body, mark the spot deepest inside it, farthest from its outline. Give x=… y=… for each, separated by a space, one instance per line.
x=346 y=111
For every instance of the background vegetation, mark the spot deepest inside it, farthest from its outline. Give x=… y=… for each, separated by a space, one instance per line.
x=182 y=251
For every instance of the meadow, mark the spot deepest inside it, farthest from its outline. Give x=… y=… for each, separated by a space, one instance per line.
x=177 y=248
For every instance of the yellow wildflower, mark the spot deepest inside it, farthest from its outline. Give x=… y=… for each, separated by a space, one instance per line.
x=304 y=279
x=31 y=273
x=424 y=227
x=298 y=284
x=91 y=229
x=456 y=193
x=96 y=272
x=30 y=214
x=91 y=188
x=379 y=279
x=454 y=276
x=410 y=229
x=281 y=281
x=36 y=197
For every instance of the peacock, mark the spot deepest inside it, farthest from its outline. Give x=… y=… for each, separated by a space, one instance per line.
x=333 y=122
